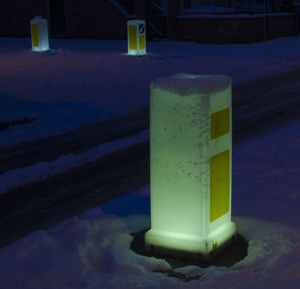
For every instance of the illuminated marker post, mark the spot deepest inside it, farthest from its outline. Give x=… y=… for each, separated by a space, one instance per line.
x=190 y=156
x=136 y=37
x=39 y=34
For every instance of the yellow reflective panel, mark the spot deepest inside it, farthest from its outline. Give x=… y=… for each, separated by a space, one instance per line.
x=214 y=245
x=219 y=185
x=220 y=123
x=35 y=35
x=142 y=42
x=132 y=37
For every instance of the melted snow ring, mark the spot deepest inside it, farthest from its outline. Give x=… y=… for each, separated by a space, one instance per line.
x=229 y=256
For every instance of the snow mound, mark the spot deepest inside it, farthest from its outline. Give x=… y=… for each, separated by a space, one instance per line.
x=93 y=251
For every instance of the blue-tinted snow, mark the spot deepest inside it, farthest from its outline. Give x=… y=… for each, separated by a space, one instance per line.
x=54 y=117
x=92 y=250
x=92 y=80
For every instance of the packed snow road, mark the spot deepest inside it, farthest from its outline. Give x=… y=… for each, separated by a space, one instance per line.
x=74 y=142
x=265 y=104
x=258 y=106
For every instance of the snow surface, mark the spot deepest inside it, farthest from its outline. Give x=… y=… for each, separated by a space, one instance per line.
x=83 y=81
x=92 y=250
x=244 y=15
x=21 y=176
x=208 y=9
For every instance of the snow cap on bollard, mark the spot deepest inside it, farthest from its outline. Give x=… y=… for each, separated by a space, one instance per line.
x=39 y=34
x=190 y=165
x=136 y=33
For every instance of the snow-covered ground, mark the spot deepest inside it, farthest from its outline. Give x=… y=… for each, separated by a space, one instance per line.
x=21 y=176
x=83 y=81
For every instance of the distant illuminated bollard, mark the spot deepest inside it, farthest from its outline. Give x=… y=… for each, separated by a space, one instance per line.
x=190 y=157
x=39 y=34
x=136 y=37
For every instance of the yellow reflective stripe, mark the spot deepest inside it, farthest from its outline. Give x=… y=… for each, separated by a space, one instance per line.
x=142 y=42
x=35 y=35
x=214 y=245
x=219 y=123
x=132 y=37
x=219 y=185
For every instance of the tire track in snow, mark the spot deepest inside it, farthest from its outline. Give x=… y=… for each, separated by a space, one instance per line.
x=280 y=107
x=265 y=104
x=41 y=170
x=74 y=142
x=42 y=204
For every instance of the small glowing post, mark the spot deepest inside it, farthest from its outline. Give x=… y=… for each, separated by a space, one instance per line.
x=136 y=37
x=39 y=34
x=190 y=157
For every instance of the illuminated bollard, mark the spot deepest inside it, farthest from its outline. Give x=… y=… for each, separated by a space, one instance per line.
x=190 y=157
x=136 y=37
x=39 y=34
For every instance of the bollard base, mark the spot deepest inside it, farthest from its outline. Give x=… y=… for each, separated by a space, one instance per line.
x=41 y=50
x=136 y=53
x=232 y=253
x=190 y=247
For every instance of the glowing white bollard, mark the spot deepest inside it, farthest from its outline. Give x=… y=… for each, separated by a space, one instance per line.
x=39 y=34
x=136 y=37
x=190 y=157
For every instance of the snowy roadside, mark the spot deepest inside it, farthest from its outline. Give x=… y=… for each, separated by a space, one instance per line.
x=47 y=202
x=85 y=81
x=60 y=109
x=19 y=177
x=265 y=171
x=91 y=250
x=260 y=105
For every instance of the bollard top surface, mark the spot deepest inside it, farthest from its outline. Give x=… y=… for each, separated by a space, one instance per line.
x=188 y=84
x=38 y=19
x=135 y=21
